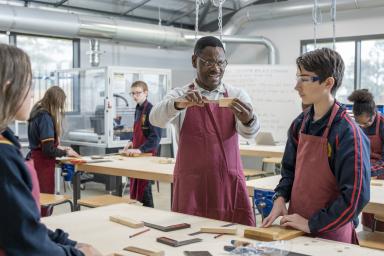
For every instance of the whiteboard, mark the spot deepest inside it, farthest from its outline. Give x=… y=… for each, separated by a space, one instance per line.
x=272 y=89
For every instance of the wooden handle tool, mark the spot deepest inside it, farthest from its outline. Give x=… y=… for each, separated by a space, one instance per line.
x=144 y=251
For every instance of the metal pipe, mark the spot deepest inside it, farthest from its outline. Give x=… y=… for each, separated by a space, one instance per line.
x=287 y=9
x=272 y=55
x=36 y=21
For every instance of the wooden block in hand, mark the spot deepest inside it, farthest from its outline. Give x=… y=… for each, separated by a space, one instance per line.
x=225 y=102
x=126 y=221
x=273 y=233
x=219 y=230
x=143 y=251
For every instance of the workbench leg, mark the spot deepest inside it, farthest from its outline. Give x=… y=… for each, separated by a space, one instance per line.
x=76 y=189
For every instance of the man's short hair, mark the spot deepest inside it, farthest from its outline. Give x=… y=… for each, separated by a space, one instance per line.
x=140 y=84
x=205 y=42
x=324 y=63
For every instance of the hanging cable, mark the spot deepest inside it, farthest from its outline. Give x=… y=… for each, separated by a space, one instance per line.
x=197 y=4
x=333 y=18
x=219 y=4
x=159 y=16
x=220 y=19
x=316 y=17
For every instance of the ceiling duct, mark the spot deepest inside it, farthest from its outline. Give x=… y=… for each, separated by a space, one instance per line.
x=289 y=8
x=43 y=22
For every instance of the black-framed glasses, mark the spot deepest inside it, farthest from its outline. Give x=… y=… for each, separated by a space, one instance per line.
x=306 y=78
x=211 y=64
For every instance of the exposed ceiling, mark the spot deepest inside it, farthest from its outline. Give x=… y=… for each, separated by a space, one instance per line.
x=178 y=13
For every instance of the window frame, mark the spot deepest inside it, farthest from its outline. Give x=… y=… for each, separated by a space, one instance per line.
x=357 y=40
x=75 y=60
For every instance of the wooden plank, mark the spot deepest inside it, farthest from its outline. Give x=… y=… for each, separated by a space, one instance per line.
x=219 y=230
x=47 y=199
x=273 y=233
x=126 y=221
x=372 y=240
x=143 y=251
x=97 y=201
x=223 y=102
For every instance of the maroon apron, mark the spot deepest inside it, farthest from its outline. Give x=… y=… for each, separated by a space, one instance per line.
x=376 y=148
x=315 y=186
x=137 y=186
x=208 y=175
x=45 y=169
x=35 y=185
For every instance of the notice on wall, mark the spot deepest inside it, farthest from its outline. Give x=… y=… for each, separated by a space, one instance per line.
x=272 y=89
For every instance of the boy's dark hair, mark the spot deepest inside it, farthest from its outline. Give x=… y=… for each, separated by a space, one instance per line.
x=205 y=42
x=324 y=63
x=362 y=102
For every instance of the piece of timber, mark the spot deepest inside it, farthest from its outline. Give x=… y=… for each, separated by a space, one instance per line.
x=219 y=230
x=272 y=233
x=126 y=221
x=144 y=251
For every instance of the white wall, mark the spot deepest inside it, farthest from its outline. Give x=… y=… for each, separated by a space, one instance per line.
x=286 y=33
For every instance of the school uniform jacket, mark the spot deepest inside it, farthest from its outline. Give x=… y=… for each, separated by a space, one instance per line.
x=21 y=232
x=151 y=133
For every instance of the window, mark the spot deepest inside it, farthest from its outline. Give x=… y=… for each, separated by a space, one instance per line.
x=364 y=64
x=4 y=38
x=48 y=55
x=372 y=68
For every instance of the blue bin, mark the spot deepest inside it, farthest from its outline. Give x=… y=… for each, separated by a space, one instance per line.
x=67 y=170
x=263 y=201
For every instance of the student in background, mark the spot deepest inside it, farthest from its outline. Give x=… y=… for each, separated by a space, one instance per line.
x=325 y=167
x=372 y=123
x=22 y=233
x=146 y=139
x=44 y=130
x=208 y=177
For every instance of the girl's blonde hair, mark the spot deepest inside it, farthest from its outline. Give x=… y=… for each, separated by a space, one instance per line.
x=54 y=103
x=15 y=82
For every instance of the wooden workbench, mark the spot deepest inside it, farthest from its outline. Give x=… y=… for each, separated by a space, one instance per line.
x=148 y=168
x=262 y=151
x=93 y=227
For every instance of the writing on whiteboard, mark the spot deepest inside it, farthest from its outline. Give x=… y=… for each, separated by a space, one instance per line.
x=274 y=98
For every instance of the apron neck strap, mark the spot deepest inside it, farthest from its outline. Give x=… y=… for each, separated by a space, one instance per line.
x=335 y=108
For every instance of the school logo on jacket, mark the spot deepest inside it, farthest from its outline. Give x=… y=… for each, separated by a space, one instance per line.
x=329 y=150
x=143 y=117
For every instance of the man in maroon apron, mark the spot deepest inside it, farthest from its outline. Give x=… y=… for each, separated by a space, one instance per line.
x=208 y=175
x=146 y=139
x=325 y=166
x=371 y=122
